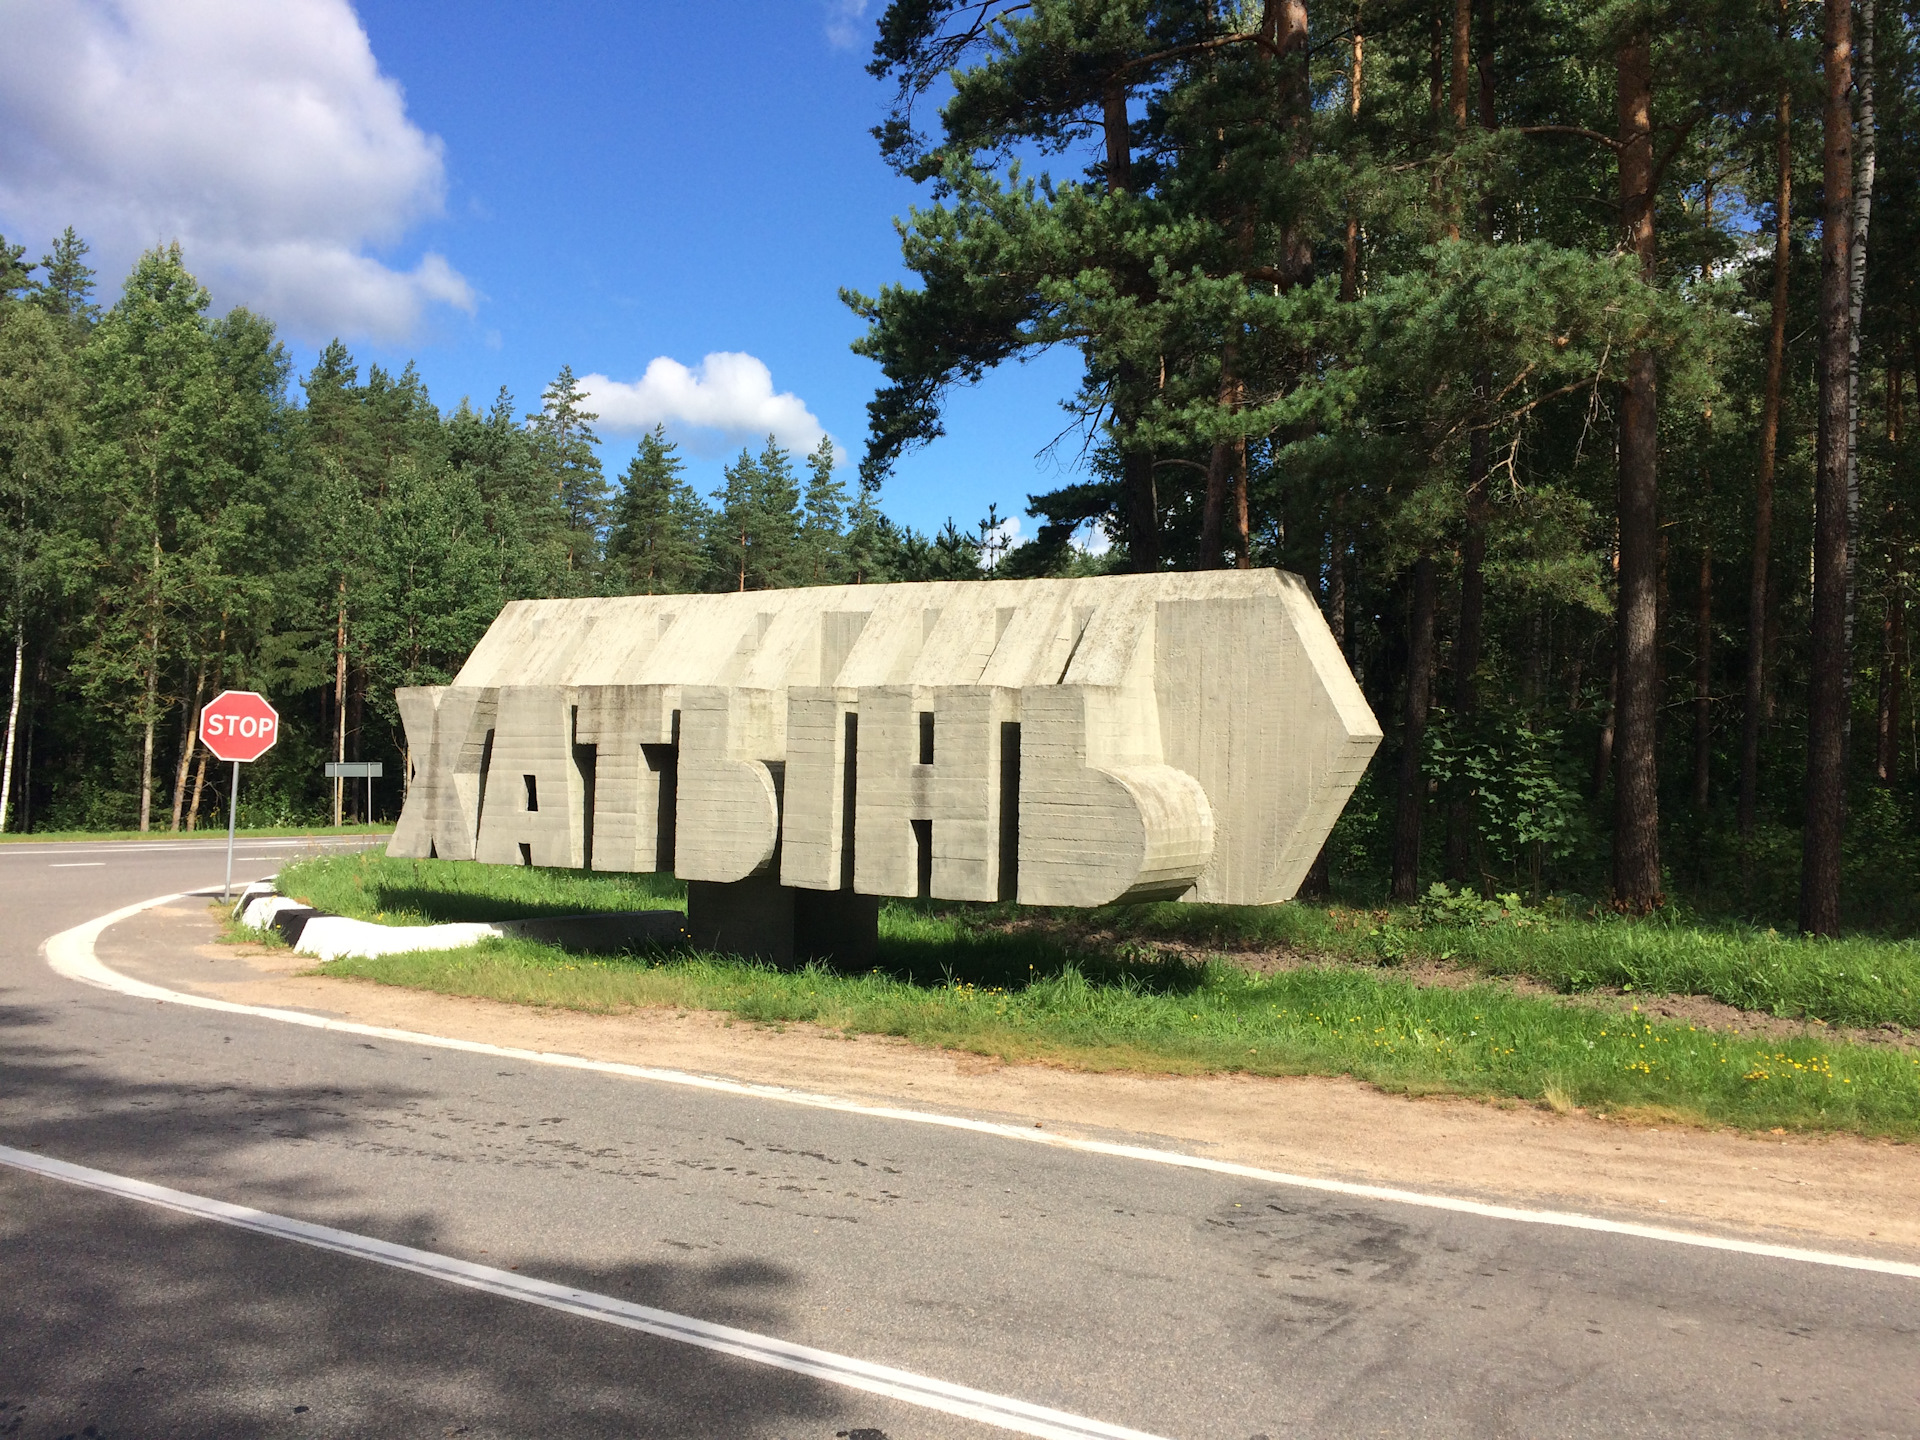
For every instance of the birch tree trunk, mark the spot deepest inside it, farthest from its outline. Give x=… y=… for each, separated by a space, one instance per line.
x=13 y=719
x=187 y=745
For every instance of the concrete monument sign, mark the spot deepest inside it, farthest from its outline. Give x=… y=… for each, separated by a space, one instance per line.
x=796 y=754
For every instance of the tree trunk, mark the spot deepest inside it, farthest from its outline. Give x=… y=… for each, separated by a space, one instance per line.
x=26 y=748
x=1243 y=539
x=1703 y=680
x=340 y=697
x=1468 y=643
x=1827 y=693
x=1350 y=257
x=13 y=719
x=1337 y=581
x=1856 y=298
x=185 y=761
x=1603 y=751
x=1755 y=707
x=1636 y=791
x=146 y=742
x=1413 y=783
x=356 y=713
x=1893 y=645
x=1141 y=501
x=199 y=789
x=1461 y=36
x=1893 y=626
x=1213 y=515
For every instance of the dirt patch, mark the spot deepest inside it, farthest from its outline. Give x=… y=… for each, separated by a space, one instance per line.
x=1820 y=1192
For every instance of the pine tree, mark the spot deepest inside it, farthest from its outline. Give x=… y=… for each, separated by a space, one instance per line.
x=16 y=275
x=753 y=535
x=823 y=539
x=65 y=291
x=568 y=450
x=653 y=545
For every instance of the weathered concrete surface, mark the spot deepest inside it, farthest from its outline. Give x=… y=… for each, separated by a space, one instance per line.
x=1062 y=742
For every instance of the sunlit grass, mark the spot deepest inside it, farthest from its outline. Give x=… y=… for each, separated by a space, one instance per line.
x=1479 y=1041
x=371 y=886
x=1060 y=988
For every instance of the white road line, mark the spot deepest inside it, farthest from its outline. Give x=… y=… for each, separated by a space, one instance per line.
x=124 y=847
x=1000 y=1411
x=71 y=953
x=77 y=865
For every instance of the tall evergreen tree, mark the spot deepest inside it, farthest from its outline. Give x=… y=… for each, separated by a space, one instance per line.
x=653 y=544
x=568 y=450
x=823 y=540
x=753 y=537
x=65 y=289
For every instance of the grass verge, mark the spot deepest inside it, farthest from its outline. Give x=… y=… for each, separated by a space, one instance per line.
x=370 y=886
x=1027 y=987
x=1854 y=981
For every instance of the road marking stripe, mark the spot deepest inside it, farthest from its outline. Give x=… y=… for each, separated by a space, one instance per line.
x=1000 y=1411
x=71 y=954
x=77 y=865
x=125 y=847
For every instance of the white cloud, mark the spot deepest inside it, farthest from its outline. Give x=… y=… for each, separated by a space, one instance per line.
x=843 y=22
x=726 y=400
x=1091 y=539
x=263 y=137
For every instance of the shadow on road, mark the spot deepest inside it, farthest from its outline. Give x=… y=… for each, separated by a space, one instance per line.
x=118 y=1318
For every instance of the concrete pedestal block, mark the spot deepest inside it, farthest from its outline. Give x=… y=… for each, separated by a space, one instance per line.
x=751 y=917
x=764 y=920
x=838 y=925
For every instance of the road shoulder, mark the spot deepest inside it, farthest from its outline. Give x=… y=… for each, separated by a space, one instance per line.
x=1836 y=1191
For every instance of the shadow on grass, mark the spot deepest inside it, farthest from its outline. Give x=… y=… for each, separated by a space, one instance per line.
x=930 y=945
x=439 y=906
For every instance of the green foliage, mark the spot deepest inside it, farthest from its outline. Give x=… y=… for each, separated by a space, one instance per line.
x=958 y=980
x=653 y=546
x=173 y=524
x=1305 y=277
x=1514 y=783
x=753 y=533
x=567 y=450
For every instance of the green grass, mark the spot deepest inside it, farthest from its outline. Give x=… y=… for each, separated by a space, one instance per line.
x=205 y=832
x=1059 y=987
x=368 y=885
x=1479 y=1041
x=1857 y=981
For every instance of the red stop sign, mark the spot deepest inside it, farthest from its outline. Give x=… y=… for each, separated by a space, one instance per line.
x=239 y=725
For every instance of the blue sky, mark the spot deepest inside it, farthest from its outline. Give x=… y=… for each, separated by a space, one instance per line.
x=499 y=189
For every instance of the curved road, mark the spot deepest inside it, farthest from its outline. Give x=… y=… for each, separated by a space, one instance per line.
x=1173 y=1302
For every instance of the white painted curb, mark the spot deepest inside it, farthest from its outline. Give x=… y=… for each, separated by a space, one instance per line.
x=71 y=954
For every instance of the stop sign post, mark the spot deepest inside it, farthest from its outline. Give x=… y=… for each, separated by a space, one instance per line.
x=237 y=726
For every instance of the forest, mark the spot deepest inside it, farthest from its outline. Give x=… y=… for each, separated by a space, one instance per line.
x=1562 y=347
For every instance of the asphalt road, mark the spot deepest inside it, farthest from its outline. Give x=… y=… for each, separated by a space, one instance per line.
x=1182 y=1304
